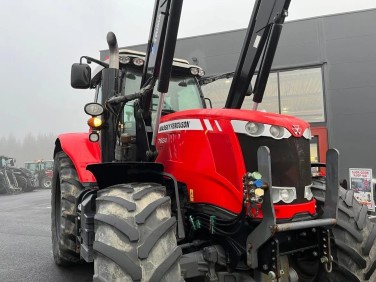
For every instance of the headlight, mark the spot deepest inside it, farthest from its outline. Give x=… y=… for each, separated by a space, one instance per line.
x=254 y=128
x=284 y=194
x=94 y=137
x=308 y=193
x=138 y=61
x=124 y=60
x=194 y=71
x=201 y=72
x=307 y=133
x=277 y=131
x=93 y=109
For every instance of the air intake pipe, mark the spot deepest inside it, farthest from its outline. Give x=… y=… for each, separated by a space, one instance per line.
x=110 y=77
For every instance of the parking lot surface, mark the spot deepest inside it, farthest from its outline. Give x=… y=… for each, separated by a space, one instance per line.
x=25 y=241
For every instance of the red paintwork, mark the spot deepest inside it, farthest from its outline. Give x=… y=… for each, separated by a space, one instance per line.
x=288 y=211
x=210 y=160
x=82 y=152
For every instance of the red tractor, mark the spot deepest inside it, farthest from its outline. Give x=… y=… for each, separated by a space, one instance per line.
x=42 y=170
x=164 y=189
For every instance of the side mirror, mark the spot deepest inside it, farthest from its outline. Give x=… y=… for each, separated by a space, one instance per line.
x=80 y=76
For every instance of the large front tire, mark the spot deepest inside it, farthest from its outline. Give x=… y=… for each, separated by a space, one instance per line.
x=354 y=251
x=65 y=190
x=135 y=235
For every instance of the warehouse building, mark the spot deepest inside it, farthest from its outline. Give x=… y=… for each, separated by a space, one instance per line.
x=324 y=72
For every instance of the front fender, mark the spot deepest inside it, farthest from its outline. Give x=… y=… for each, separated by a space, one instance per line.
x=81 y=151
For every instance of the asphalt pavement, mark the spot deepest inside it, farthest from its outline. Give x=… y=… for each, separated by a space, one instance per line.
x=25 y=241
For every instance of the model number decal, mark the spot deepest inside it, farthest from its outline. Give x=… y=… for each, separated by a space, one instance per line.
x=186 y=124
x=162 y=140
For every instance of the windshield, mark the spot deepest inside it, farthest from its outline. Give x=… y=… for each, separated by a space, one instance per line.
x=47 y=165
x=183 y=94
x=31 y=166
x=41 y=165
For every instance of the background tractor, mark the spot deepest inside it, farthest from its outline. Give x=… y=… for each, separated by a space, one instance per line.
x=25 y=178
x=42 y=170
x=8 y=180
x=163 y=189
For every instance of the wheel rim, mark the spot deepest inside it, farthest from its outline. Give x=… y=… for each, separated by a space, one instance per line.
x=47 y=183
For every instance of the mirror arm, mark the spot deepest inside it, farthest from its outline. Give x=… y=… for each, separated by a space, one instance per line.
x=90 y=59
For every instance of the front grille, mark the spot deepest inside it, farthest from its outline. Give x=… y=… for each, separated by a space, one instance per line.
x=290 y=160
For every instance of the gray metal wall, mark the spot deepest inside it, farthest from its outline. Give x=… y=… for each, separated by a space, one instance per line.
x=346 y=46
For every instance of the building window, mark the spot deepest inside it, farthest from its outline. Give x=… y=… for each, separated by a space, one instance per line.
x=217 y=92
x=270 y=101
x=301 y=93
x=292 y=92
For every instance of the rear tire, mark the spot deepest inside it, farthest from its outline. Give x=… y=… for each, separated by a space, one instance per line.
x=135 y=235
x=354 y=251
x=65 y=190
x=46 y=182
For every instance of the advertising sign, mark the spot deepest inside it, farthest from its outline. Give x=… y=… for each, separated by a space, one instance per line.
x=361 y=183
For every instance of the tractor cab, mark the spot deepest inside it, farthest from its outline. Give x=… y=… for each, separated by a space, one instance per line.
x=184 y=92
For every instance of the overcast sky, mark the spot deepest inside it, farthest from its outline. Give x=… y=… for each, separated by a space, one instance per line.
x=40 y=39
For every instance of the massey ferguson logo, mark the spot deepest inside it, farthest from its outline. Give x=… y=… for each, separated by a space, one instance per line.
x=296 y=129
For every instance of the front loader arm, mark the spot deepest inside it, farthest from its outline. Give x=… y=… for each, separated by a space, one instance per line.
x=262 y=37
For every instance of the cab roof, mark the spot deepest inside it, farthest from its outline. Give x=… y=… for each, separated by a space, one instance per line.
x=126 y=57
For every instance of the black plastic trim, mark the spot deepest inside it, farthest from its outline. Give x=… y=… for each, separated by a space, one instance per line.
x=109 y=174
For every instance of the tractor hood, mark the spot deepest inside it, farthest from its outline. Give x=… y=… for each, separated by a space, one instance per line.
x=210 y=119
